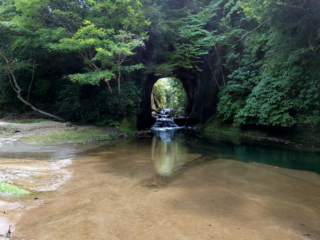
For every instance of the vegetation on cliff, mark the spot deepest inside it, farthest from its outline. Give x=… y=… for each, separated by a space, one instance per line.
x=168 y=93
x=84 y=59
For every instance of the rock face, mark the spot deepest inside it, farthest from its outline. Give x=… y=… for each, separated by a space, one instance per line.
x=202 y=87
x=144 y=134
x=201 y=91
x=164 y=123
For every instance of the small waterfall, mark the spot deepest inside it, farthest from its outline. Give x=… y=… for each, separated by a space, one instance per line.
x=165 y=148
x=164 y=128
x=164 y=123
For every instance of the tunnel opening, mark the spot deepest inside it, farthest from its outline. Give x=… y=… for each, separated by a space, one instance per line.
x=190 y=108
x=169 y=98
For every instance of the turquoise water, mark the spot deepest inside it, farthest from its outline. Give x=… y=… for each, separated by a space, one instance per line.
x=275 y=154
x=169 y=153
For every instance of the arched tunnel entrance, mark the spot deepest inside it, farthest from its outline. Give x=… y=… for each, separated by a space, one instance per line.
x=189 y=83
x=201 y=95
x=169 y=94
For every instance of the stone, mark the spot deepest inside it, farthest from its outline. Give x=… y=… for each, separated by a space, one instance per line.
x=68 y=124
x=144 y=134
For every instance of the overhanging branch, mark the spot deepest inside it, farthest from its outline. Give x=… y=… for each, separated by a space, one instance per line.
x=244 y=36
x=17 y=89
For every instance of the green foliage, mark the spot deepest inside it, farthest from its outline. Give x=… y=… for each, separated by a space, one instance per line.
x=276 y=81
x=194 y=39
x=164 y=69
x=128 y=126
x=259 y=8
x=9 y=189
x=8 y=129
x=262 y=54
x=169 y=93
x=159 y=93
x=232 y=98
x=107 y=121
x=89 y=42
x=176 y=95
x=76 y=103
x=42 y=86
x=100 y=47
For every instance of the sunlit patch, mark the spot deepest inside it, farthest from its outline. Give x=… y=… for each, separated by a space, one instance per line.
x=35 y=175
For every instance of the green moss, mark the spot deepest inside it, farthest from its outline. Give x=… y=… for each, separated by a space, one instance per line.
x=71 y=136
x=215 y=126
x=26 y=121
x=10 y=189
x=127 y=127
x=8 y=129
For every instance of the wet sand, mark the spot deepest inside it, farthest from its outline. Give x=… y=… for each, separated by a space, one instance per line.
x=116 y=193
x=35 y=175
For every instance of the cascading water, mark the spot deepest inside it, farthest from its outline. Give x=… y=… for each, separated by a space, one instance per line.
x=164 y=128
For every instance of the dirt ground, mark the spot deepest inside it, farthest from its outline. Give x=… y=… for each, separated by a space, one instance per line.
x=54 y=133
x=32 y=126
x=116 y=194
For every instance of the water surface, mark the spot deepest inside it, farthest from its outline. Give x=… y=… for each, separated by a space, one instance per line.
x=171 y=152
x=178 y=187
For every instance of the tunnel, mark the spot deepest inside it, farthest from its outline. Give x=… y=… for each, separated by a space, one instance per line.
x=201 y=96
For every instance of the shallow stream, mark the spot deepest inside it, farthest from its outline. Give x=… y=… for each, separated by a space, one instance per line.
x=171 y=152
x=176 y=186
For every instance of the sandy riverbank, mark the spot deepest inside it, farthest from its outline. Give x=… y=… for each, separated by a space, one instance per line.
x=54 y=133
x=34 y=157
x=115 y=194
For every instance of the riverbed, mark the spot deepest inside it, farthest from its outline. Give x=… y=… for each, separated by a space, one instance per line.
x=180 y=188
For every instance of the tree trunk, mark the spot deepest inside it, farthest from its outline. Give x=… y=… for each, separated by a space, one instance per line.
x=17 y=89
x=119 y=87
x=109 y=87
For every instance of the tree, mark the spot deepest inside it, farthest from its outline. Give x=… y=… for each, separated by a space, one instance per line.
x=103 y=48
x=276 y=79
x=87 y=41
x=263 y=55
x=9 y=71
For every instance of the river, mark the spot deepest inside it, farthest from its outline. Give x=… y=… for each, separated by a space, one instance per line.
x=176 y=186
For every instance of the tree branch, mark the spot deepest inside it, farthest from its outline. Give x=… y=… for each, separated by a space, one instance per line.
x=119 y=78
x=224 y=80
x=18 y=90
x=212 y=73
x=12 y=84
x=251 y=32
x=31 y=81
x=301 y=7
x=310 y=39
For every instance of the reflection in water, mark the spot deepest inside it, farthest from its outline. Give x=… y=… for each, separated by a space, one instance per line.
x=117 y=181
x=165 y=151
x=274 y=154
x=164 y=133
x=170 y=153
x=164 y=157
x=167 y=155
